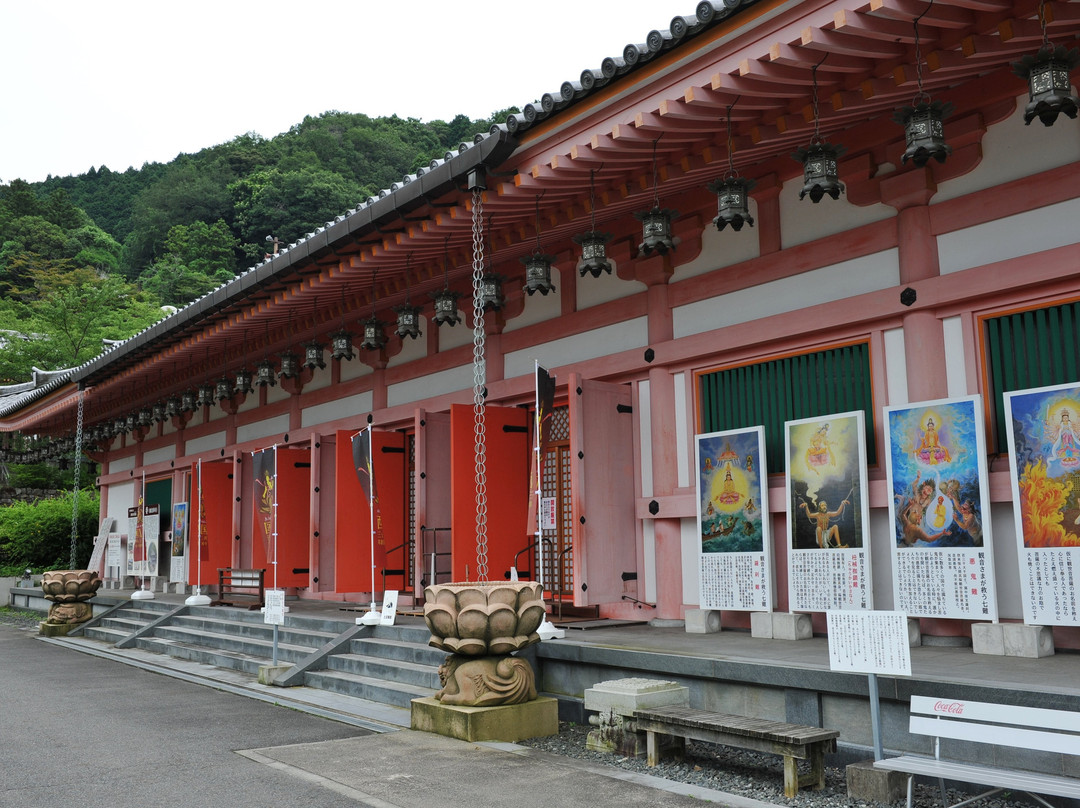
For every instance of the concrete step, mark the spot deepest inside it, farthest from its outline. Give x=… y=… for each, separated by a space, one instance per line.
x=260 y=647
x=398 y=694
x=398 y=650
x=261 y=631
x=390 y=670
x=228 y=658
x=106 y=634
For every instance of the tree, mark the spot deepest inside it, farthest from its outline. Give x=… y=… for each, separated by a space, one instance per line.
x=198 y=257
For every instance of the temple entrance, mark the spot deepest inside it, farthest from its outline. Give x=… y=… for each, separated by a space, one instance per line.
x=558 y=559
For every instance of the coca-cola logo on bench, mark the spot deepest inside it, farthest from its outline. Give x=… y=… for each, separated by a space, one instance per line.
x=952 y=707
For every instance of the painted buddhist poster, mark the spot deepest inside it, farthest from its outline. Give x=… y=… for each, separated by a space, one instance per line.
x=828 y=514
x=943 y=563
x=733 y=525
x=1044 y=450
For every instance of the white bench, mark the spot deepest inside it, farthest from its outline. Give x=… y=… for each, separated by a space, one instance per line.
x=999 y=725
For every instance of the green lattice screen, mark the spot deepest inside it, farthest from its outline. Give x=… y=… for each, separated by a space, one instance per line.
x=803 y=386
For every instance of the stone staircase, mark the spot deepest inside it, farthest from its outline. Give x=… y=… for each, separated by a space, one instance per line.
x=389 y=665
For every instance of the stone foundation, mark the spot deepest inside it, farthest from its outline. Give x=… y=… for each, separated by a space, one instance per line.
x=509 y=722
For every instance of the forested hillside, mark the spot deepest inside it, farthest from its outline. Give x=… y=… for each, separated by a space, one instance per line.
x=96 y=255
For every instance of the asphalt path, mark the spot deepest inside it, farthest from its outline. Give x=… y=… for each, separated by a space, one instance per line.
x=78 y=730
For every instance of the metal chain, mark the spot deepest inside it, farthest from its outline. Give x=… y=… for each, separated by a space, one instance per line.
x=479 y=384
x=75 y=483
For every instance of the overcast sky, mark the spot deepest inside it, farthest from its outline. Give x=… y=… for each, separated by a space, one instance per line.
x=86 y=83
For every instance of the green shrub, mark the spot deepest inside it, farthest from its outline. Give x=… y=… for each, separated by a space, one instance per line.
x=38 y=534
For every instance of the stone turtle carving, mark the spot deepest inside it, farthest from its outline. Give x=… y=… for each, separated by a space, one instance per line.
x=486 y=681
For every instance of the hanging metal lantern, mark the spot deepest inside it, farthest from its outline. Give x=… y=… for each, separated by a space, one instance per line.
x=205 y=396
x=374 y=335
x=408 y=321
x=119 y=426
x=172 y=407
x=223 y=389
x=1049 y=86
x=446 y=308
x=243 y=382
x=538 y=273
x=265 y=375
x=594 y=258
x=187 y=401
x=159 y=411
x=341 y=345
x=821 y=173
x=732 y=202
x=924 y=131
x=491 y=296
x=313 y=355
x=290 y=366
x=656 y=230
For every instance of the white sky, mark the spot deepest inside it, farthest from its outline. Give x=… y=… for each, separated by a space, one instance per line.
x=119 y=83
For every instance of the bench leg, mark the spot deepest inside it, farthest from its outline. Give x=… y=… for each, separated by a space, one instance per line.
x=651 y=748
x=791 y=776
x=817 y=767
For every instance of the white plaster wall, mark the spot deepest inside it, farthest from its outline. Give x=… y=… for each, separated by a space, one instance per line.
x=593 y=344
x=411 y=349
x=433 y=384
x=260 y=429
x=682 y=427
x=321 y=377
x=722 y=249
x=454 y=336
x=644 y=406
x=895 y=366
x=159 y=455
x=594 y=291
x=1010 y=237
x=354 y=368
x=334 y=410
x=215 y=440
x=858 y=276
x=691 y=560
x=273 y=394
x=121 y=497
x=122 y=464
x=650 y=562
x=955 y=361
x=539 y=308
x=801 y=220
x=1042 y=148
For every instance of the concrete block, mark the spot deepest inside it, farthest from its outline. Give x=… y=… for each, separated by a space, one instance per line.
x=914 y=632
x=702 y=621
x=868 y=784
x=792 y=626
x=509 y=722
x=1022 y=640
x=761 y=625
x=988 y=638
x=269 y=673
x=624 y=696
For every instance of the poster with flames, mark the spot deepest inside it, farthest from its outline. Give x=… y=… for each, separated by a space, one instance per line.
x=939 y=508
x=1044 y=453
x=828 y=514
x=735 y=571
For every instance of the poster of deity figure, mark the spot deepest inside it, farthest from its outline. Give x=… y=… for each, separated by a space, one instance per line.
x=732 y=491
x=937 y=474
x=1044 y=449
x=827 y=505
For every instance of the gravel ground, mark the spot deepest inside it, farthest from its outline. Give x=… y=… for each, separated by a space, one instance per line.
x=747 y=774
x=20 y=618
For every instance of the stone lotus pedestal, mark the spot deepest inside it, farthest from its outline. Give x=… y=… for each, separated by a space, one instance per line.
x=68 y=590
x=482 y=625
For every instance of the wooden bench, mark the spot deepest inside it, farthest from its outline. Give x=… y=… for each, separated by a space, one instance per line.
x=793 y=741
x=999 y=725
x=238 y=587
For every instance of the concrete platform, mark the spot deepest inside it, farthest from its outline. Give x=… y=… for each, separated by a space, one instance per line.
x=510 y=722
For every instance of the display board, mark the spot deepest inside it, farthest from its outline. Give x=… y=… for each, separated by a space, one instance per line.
x=1044 y=453
x=943 y=563
x=828 y=514
x=735 y=569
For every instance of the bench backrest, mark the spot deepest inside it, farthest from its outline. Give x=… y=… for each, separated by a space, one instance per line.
x=999 y=724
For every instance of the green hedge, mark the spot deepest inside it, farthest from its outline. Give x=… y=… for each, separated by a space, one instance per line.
x=38 y=534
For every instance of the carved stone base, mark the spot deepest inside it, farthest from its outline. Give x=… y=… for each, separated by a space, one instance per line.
x=538 y=718
x=486 y=681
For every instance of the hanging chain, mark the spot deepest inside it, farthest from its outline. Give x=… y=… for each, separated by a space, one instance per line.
x=920 y=95
x=75 y=483
x=479 y=384
x=817 y=117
